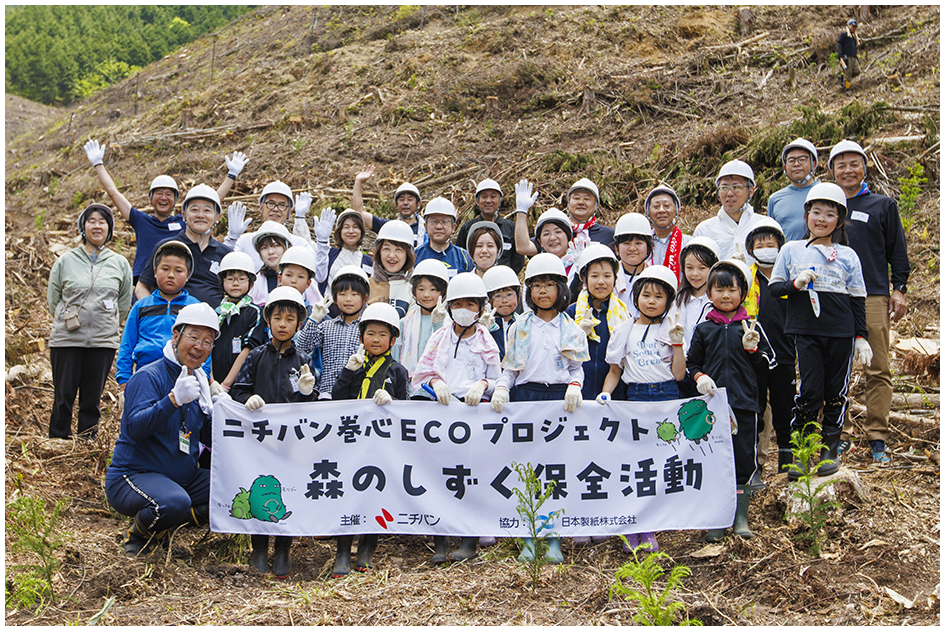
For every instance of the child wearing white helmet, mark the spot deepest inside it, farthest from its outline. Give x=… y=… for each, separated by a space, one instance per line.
x=394 y=259
x=505 y=298
x=429 y=283
x=460 y=363
x=242 y=326
x=826 y=313
x=692 y=299
x=633 y=242
x=728 y=352
x=546 y=352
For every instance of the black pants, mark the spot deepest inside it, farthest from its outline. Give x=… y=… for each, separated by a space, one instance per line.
x=823 y=364
x=779 y=387
x=745 y=445
x=82 y=371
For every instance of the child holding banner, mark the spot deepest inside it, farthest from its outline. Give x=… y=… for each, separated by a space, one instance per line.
x=726 y=352
x=276 y=373
x=429 y=281
x=546 y=353
x=649 y=369
x=370 y=373
x=460 y=361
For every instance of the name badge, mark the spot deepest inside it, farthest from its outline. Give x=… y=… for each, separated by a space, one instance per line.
x=174 y=226
x=183 y=441
x=215 y=267
x=294 y=381
x=858 y=215
x=506 y=246
x=237 y=345
x=108 y=303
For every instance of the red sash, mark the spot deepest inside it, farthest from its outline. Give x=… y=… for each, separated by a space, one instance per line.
x=672 y=251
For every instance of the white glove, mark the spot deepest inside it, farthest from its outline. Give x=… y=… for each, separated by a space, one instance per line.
x=804 y=278
x=356 y=360
x=862 y=351
x=587 y=321
x=320 y=309
x=603 y=398
x=499 y=398
x=95 y=153
x=475 y=392
x=442 y=391
x=254 y=403
x=487 y=319
x=751 y=337
x=303 y=201
x=677 y=333
x=382 y=397
x=236 y=220
x=121 y=400
x=572 y=398
x=705 y=385
x=438 y=314
x=524 y=199
x=306 y=380
x=324 y=224
x=216 y=389
x=234 y=165
x=223 y=395
x=186 y=388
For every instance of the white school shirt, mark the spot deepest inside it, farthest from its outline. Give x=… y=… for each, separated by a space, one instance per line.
x=546 y=364
x=468 y=368
x=643 y=361
x=691 y=314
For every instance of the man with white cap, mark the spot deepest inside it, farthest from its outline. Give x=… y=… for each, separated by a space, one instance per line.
x=662 y=207
x=406 y=200
x=736 y=218
x=488 y=201
x=786 y=206
x=440 y=218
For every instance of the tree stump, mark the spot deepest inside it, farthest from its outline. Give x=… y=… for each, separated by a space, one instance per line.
x=746 y=21
x=187 y=119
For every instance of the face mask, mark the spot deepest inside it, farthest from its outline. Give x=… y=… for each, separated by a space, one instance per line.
x=464 y=317
x=766 y=256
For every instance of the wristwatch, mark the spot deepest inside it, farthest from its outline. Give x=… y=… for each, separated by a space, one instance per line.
x=901 y=287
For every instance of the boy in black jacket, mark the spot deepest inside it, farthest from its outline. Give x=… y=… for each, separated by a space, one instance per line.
x=370 y=373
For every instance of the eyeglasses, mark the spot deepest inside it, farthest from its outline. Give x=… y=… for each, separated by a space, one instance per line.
x=439 y=221
x=735 y=188
x=504 y=295
x=280 y=206
x=798 y=160
x=199 y=343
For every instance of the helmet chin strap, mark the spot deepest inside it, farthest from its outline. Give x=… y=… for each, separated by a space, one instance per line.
x=810 y=176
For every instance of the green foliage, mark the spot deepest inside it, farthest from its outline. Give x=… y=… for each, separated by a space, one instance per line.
x=530 y=502
x=404 y=11
x=40 y=219
x=34 y=532
x=805 y=445
x=56 y=53
x=77 y=200
x=833 y=62
x=559 y=161
x=910 y=189
x=636 y=580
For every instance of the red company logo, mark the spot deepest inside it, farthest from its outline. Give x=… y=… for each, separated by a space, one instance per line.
x=384 y=518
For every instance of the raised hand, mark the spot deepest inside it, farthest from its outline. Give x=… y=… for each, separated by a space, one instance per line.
x=95 y=153
x=234 y=165
x=236 y=220
x=524 y=199
x=677 y=333
x=324 y=224
x=751 y=337
x=303 y=202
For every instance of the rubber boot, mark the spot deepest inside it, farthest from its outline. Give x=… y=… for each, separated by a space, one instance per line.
x=342 y=556
x=600 y=538
x=367 y=544
x=281 y=561
x=485 y=542
x=259 y=557
x=466 y=551
x=441 y=546
x=138 y=539
x=553 y=554
x=715 y=535
x=528 y=550
x=795 y=474
x=199 y=515
x=740 y=527
x=632 y=542
x=649 y=538
x=830 y=451
x=785 y=458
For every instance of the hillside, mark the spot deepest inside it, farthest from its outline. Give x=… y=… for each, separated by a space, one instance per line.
x=624 y=95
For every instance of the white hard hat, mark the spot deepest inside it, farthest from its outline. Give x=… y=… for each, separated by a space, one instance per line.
x=109 y=219
x=662 y=274
x=662 y=189
x=271 y=229
x=801 y=143
x=431 y=267
x=739 y=266
x=349 y=271
x=827 y=191
x=198 y=314
x=350 y=212
x=556 y=216
x=202 y=191
x=703 y=242
x=278 y=187
x=439 y=206
x=544 y=263
x=763 y=223
x=499 y=277
x=285 y=293
x=488 y=225
x=845 y=146
x=585 y=184
x=397 y=231
x=301 y=255
x=465 y=285
x=380 y=312
x=407 y=187
x=736 y=167
x=175 y=244
x=633 y=224
x=488 y=185
x=164 y=181
x=237 y=261
x=594 y=252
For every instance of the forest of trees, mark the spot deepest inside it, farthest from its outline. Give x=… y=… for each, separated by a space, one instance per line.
x=57 y=54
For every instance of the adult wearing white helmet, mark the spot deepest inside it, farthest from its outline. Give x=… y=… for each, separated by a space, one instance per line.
x=162 y=195
x=439 y=216
x=583 y=203
x=786 y=206
x=662 y=208
x=406 y=200
x=488 y=202
x=201 y=211
x=275 y=203
x=153 y=476
x=875 y=233
x=394 y=259
x=736 y=185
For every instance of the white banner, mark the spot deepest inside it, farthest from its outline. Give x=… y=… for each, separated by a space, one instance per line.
x=414 y=467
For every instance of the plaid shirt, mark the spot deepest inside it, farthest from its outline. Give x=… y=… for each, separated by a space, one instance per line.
x=338 y=342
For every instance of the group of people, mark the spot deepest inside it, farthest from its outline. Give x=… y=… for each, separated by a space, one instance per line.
x=637 y=312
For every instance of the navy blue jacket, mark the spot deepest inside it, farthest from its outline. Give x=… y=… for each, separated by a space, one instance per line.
x=269 y=373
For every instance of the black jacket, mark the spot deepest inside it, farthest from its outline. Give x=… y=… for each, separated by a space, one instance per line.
x=248 y=327
x=875 y=233
x=348 y=383
x=270 y=374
